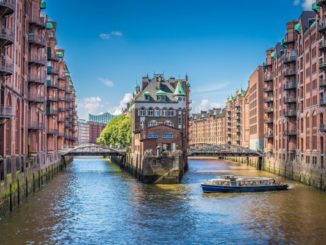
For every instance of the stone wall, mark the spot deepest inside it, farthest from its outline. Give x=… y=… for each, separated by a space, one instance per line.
x=165 y=169
x=19 y=185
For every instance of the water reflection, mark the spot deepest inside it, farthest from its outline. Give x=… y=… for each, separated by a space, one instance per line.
x=93 y=202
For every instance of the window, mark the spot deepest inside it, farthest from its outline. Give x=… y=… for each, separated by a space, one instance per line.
x=157 y=113
x=167 y=136
x=146 y=97
x=161 y=98
x=168 y=123
x=152 y=136
x=150 y=112
x=152 y=123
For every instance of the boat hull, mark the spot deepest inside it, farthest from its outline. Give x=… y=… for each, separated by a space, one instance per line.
x=217 y=189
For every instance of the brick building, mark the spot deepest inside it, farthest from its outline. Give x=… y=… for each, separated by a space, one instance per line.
x=208 y=127
x=30 y=134
x=160 y=120
x=294 y=74
x=95 y=129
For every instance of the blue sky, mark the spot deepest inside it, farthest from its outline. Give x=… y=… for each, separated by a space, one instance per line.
x=110 y=44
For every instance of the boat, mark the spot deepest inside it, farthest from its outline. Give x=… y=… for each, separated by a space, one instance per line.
x=232 y=183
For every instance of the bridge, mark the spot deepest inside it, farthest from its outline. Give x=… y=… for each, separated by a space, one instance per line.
x=94 y=150
x=222 y=151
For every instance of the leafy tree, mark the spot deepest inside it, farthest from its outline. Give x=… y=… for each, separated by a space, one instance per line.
x=117 y=132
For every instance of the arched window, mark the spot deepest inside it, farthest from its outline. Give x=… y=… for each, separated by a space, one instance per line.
x=150 y=112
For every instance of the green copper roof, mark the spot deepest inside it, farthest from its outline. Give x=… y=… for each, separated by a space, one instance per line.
x=43 y=4
x=160 y=93
x=179 y=91
x=67 y=74
x=60 y=54
x=273 y=55
x=146 y=93
x=315 y=8
x=297 y=28
x=188 y=84
x=49 y=25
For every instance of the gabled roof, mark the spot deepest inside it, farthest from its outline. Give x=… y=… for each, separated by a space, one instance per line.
x=179 y=91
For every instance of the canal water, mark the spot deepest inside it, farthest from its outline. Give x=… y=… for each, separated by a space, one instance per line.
x=94 y=202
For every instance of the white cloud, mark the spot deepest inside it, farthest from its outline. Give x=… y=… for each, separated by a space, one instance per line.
x=106 y=82
x=106 y=36
x=306 y=4
x=88 y=105
x=122 y=105
x=204 y=105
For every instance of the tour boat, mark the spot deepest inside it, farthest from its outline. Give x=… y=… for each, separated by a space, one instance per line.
x=231 y=183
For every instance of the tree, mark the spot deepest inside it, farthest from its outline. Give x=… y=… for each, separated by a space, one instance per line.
x=117 y=132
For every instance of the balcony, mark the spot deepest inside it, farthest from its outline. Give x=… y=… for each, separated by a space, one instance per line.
x=290 y=72
x=268 y=88
x=269 y=121
x=63 y=78
x=51 y=111
x=323 y=102
x=7 y=7
x=290 y=100
x=61 y=109
x=269 y=135
x=322 y=45
x=52 y=71
x=38 y=60
x=323 y=128
x=34 y=126
x=290 y=132
x=322 y=83
x=289 y=59
x=6 y=67
x=52 y=84
x=37 y=40
x=52 y=56
x=52 y=131
x=288 y=39
x=320 y=2
x=61 y=134
x=38 y=21
x=268 y=78
x=322 y=65
x=6 y=112
x=290 y=113
x=269 y=109
x=7 y=36
x=269 y=99
x=36 y=79
x=61 y=119
x=322 y=27
x=267 y=64
x=61 y=97
x=290 y=85
x=52 y=98
x=36 y=98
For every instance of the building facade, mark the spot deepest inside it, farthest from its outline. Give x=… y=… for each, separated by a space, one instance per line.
x=29 y=130
x=95 y=130
x=208 y=127
x=160 y=120
x=83 y=132
x=104 y=118
x=294 y=73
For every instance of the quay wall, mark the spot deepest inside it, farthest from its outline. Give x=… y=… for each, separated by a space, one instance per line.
x=309 y=174
x=149 y=169
x=22 y=183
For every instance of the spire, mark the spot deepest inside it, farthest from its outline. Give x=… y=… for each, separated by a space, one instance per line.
x=179 y=91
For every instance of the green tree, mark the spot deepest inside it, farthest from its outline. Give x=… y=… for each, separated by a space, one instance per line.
x=117 y=132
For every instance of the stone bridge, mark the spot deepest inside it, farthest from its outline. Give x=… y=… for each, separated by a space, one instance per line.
x=94 y=150
x=222 y=151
